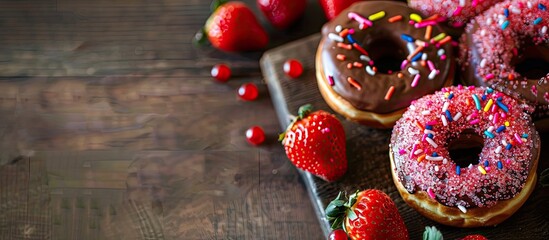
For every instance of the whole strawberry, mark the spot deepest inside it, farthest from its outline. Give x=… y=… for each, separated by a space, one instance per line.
x=282 y=13
x=333 y=7
x=369 y=214
x=315 y=142
x=474 y=237
x=233 y=27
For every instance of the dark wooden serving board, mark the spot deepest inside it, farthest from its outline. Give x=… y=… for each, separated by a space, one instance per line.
x=367 y=151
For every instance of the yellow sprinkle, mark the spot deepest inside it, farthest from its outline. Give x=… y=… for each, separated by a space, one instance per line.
x=481 y=169
x=416 y=17
x=507 y=124
x=446 y=94
x=439 y=37
x=376 y=16
x=488 y=105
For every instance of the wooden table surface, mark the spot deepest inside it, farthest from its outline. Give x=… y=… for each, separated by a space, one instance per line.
x=112 y=128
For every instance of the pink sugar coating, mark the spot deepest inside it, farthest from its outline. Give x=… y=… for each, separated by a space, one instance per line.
x=451 y=8
x=470 y=188
x=498 y=46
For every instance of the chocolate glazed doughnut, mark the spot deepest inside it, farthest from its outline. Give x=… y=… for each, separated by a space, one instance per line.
x=377 y=57
x=507 y=48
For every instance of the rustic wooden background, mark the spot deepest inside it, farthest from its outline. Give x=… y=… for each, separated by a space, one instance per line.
x=112 y=128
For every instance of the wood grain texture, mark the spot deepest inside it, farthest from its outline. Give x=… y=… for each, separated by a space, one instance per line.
x=367 y=151
x=112 y=128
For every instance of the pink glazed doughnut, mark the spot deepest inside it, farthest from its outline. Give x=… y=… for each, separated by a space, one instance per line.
x=458 y=12
x=465 y=192
x=507 y=48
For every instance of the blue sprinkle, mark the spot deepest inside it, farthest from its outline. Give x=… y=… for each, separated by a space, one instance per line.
x=449 y=116
x=486 y=163
x=430 y=135
x=500 y=165
x=351 y=39
x=451 y=96
x=502 y=106
x=506 y=12
x=489 y=134
x=537 y=21
x=417 y=57
x=504 y=25
x=500 y=98
x=483 y=98
x=542 y=7
x=477 y=102
x=489 y=90
x=435 y=154
x=524 y=135
x=508 y=147
x=429 y=127
x=500 y=128
x=407 y=38
x=458 y=170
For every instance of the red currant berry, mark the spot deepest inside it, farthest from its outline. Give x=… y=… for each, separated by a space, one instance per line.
x=255 y=135
x=221 y=72
x=338 y=234
x=293 y=68
x=248 y=91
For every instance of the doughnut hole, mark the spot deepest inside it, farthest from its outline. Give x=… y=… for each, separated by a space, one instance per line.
x=465 y=148
x=532 y=61
x=386 y=53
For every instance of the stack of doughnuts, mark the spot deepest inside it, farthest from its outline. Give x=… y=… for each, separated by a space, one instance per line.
x=358 y=77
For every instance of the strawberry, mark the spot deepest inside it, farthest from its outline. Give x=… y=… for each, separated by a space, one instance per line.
x=369 y=214
x=474 y=237
x=432 y=233
x=282 y=13
x=333 y=7
x=315 y=142
x=233 y=27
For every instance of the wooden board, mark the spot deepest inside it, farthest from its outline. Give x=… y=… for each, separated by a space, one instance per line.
x=367 y=151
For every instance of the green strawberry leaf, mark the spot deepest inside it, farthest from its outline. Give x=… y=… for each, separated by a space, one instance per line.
x=216 y=4
x=201 y=38
x=432 y=233
x=544 y=177
x=351 y=214
x=304 y=111
x=336 y=224
x=335 y=208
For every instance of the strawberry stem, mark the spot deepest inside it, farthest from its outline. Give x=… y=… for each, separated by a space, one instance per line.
x=432 y=233
x=216 y=4
x=304 y=110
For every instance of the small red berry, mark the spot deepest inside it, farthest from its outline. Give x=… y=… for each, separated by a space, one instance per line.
x=293 y=68
x=338 y=234
x=255 y=135
x=221 y=72
x=248 y=91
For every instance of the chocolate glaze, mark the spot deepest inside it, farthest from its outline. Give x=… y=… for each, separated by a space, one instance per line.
x=371 y=96
x=520 y=88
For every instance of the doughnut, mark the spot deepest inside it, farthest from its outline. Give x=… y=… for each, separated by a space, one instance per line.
x=507 y=48
x=376 y=57
x=435 y=166
x=457 y=12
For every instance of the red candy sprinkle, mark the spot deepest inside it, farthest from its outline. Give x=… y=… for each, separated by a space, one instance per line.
x=221 y=72
x=248 y=91
x=255 y=135
x=338 y=234
x=293 y=68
